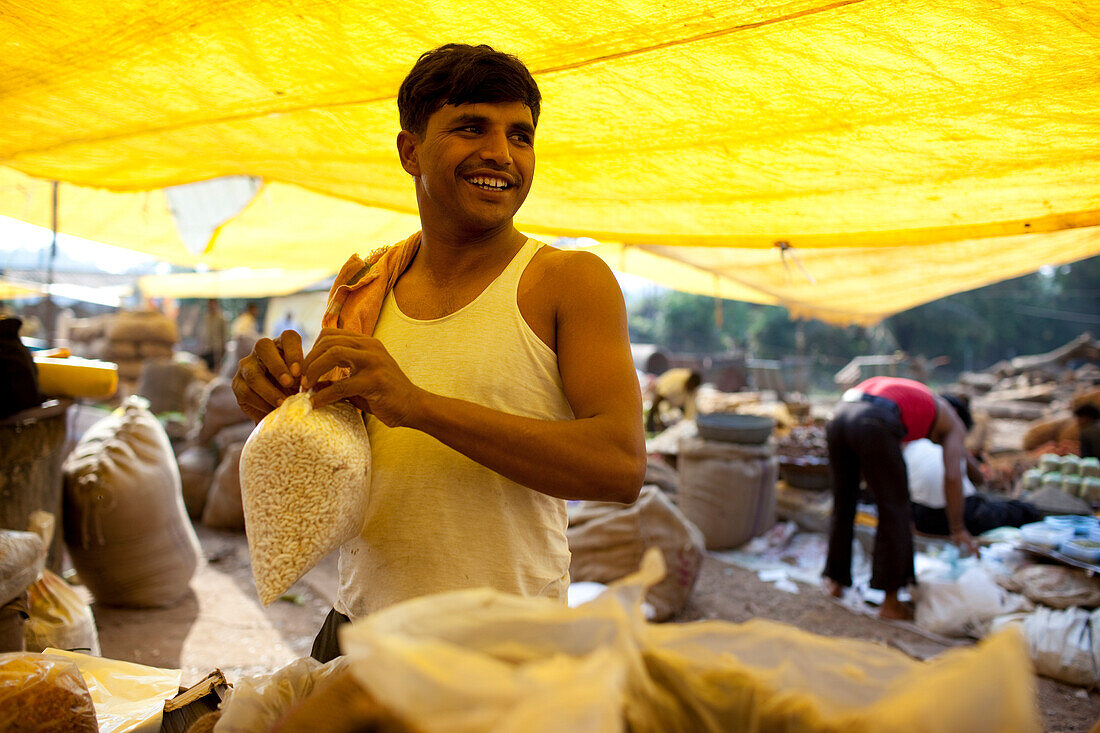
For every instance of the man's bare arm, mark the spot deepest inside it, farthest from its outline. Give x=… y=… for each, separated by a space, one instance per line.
x=600 y=454
x=950 y=433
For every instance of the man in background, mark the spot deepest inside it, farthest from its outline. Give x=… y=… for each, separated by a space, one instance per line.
x=865 y=437
x=213 y=334
x=247 y=323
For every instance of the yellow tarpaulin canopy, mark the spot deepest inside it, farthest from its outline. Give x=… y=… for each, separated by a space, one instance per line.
x=851 y=126
x=10 y=289
x=236 y=283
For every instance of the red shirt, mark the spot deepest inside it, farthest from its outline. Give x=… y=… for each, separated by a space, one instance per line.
x=916 y=402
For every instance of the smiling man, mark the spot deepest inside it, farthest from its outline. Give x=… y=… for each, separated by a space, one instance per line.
x=494 y=371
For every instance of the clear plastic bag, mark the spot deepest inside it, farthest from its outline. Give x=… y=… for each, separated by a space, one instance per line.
x=44 y=693
x=305 y=475
x=455 y=661
x=257 y=703
x=59 y=617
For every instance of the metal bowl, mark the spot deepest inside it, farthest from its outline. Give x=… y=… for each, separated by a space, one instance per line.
x=734 y=428
x=806 y=473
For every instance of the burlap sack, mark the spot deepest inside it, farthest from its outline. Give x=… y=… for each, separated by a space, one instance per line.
x=140 y=326
x=164 y=383
x=154 y=350
x=218 y=409
x=235 y=350
x=224 y=509
x=115 y=350
x=13 y=618
x=727 y=489
x=126 y=527
x=197 y=466
x=610 y=545
x=129 y=369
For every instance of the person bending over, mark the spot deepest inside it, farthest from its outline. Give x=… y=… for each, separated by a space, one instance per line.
x=865 y=438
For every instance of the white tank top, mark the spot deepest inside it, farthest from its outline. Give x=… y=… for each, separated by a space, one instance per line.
x=436 y=520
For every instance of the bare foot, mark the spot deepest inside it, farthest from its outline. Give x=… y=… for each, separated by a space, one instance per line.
x=894 y=609
x=833 y=588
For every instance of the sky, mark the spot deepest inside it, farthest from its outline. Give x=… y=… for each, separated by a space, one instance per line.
x=25 y=245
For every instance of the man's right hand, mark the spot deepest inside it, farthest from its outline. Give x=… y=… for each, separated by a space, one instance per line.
x=270 y=374
x=968 y=546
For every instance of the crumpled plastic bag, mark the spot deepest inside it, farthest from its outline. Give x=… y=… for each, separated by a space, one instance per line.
x=59 y=617
x=257 y=703
x=1064 y=645
x=43 y=693
x=128 y=697
x=964 y=606
x=305 y=476
x=1056 y=586
x=463 y=661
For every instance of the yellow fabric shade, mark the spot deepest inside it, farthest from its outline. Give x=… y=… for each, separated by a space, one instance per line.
x=10 y=289
x=236 y=283
x=855 y=125
x=843 y=285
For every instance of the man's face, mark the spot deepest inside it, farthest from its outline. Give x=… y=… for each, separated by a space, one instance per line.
x=474 y=165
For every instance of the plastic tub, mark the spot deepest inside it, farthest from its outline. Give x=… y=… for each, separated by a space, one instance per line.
x=1050 y=462
x=1046 y=534
x=734 y=428
x=1080 y=524
x=1082 y=549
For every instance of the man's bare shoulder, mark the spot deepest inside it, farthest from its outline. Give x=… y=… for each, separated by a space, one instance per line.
x=571 y=271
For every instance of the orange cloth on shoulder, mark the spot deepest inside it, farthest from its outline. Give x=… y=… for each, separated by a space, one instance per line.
x=356 y=297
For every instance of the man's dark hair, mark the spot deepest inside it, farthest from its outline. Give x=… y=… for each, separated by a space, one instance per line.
x=460 y=74
x=1088 y=411
x=961 y=406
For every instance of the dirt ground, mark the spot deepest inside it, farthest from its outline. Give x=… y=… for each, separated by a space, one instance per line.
x=221 y=623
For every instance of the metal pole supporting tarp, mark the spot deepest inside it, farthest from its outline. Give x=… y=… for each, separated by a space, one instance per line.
x=51 y=310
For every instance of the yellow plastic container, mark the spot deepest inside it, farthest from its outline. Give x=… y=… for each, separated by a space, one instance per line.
x=76 y=377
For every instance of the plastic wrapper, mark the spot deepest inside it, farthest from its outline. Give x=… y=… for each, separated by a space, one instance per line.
x=128 y=697
x=43 y=693
x=466 y=660
x=258 y=703
x=59 y=617
x=305 y=475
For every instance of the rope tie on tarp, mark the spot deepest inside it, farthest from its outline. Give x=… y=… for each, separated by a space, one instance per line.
x=785 y=248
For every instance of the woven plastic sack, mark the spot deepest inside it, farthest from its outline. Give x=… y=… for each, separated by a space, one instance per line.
x=21 y=560
x=223 y=507
x=40 y=693
x=126 y=527
x=611 y=543
x=305 y=476
x=197 y=465
x=441 y=659
x=727 y=489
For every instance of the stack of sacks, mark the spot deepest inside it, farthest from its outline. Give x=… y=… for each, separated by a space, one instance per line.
x=134 y=338
x=213 y=449
x=86 y=337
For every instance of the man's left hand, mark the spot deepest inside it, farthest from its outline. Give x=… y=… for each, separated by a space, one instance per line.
x=376 y=383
